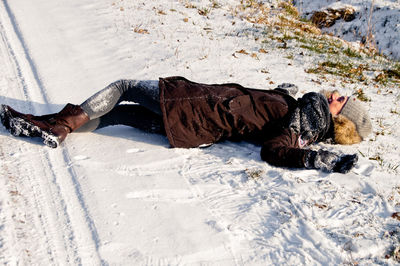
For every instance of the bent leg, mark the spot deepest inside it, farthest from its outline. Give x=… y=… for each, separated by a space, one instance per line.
x=145 y=93
x=92 y=114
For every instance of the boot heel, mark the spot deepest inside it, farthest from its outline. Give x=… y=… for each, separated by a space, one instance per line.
x=4 y=116
x=2 y=113
x=50 y=140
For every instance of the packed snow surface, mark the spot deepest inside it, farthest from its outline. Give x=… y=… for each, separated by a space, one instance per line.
x=119 y=196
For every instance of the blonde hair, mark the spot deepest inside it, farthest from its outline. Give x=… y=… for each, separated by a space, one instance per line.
x=345 y=130
x=328 y=94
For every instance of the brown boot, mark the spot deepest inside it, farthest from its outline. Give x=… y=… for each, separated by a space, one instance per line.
x=10 y=118
x=53 y=129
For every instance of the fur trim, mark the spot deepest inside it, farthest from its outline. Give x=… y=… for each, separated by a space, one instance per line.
x=345 y=131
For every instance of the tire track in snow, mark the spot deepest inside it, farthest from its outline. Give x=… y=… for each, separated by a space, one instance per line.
x=64 y=219
x=25 y=52
x=21 y=219
x=20 y=204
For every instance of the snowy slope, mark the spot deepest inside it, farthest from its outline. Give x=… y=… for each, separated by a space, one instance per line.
x=119 y=196
x=381 y=18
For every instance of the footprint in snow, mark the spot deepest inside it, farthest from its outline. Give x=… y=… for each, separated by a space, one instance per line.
x=169 y=195
x=133 y=150
x=80 y=157
x=364 y=169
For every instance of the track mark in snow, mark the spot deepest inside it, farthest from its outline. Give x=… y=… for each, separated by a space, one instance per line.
x=365 y=169
x=80 y=157
x=27 y=63
x=199 y=171
x=133 y=150
x=151 y=167
x=54 y=212
x=175 y=195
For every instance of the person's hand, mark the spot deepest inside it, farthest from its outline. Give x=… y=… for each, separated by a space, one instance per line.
x=330 y=162
x=345 y=163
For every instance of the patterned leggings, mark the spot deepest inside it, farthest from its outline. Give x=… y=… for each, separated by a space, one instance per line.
x=105 y=109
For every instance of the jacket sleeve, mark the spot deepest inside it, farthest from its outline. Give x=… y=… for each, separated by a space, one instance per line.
x=283 y=150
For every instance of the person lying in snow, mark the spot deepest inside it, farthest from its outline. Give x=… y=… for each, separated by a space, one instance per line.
x=192 y=114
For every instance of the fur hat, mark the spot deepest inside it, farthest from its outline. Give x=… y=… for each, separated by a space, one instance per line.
x=355 y=112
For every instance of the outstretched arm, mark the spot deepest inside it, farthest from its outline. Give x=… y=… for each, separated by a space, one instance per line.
x=284 y=151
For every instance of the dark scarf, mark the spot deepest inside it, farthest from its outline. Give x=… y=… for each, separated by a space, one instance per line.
x=312 y=119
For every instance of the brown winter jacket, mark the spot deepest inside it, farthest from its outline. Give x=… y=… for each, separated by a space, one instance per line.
x=197 y=114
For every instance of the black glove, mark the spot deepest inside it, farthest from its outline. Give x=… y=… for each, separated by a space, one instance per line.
x=288 y=88
x=330 y=162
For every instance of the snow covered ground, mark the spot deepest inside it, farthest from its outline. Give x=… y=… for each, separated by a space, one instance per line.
x=119 y=196
x=380 y=18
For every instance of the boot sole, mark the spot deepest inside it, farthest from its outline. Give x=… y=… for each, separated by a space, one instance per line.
x=48 y=138
x=3 y=116
x=20 y=127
